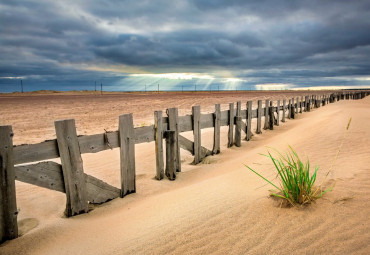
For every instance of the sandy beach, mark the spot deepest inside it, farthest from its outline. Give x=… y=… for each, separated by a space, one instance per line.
x=216 y=207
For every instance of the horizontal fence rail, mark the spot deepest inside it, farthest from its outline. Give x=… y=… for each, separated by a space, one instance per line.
x=22 y=162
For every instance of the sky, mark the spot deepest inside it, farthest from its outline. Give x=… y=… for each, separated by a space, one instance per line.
x=141 y=45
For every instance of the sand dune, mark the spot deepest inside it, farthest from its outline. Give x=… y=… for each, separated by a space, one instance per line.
x=218 y=206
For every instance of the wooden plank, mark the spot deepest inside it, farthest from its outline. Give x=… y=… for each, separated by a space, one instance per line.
x=217 y=131
x=99 y=192
x=158 y=130
x=173 y=124
x=206 y=120
x=185 y=123
x=73 y=173
x=231 y=125
x=188 y=145
x=35 y=152
x=45 y=174
x=278 y=113
x=238 y=128
x=127 y=154
x=197 y=134
x=171 y=154
x=259 y=117
x=249 y=121
x=266 y=126
x=8 y=204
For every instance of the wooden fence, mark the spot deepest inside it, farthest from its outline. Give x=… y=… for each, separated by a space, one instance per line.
x=18 y=162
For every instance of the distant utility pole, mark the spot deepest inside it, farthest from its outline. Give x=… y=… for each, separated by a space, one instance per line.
x=22 y=85
x=95 y=86
x=101 y=88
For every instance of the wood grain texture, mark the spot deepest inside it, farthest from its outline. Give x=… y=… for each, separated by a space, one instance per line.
x=230 y=137
x=8 y=204
x=278 y=113
x=267 y=103
x=158 y=130
x=197 y=134
x=259 y=117
x=45 y=174
x=173 y=124
x=127 y=154
x=249 y=121
x=72 y=166
x=171 y=154
x=217 y=130
x=238 y=127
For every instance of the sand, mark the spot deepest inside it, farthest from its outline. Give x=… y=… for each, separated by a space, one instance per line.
x=215 y=207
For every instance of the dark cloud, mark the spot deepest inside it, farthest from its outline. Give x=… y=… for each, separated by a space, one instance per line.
x=262 y=41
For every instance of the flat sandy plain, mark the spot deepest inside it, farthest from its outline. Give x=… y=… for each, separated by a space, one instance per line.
x=217 y=206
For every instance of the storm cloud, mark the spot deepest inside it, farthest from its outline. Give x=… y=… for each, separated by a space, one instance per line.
x=71 y=44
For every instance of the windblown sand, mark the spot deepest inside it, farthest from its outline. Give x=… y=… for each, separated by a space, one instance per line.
x=215 y=207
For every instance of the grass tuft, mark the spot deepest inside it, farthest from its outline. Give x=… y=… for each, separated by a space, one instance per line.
x=297 y=186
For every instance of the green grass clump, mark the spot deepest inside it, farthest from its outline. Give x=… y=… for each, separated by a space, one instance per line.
x=296 y=183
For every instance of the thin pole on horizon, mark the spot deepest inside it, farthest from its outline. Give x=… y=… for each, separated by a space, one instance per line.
x=22 y=85
x=95 y=86
x=195 y=87
x=101 y=88
x=145 y=87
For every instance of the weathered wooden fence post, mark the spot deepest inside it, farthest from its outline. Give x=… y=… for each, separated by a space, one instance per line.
x=249 y=121
x=259 y=117
x=296 y=105
x=217 y=131
x=238 y=124
x=197 y=134
x=278 y=113
x=266 y=114
x=171 y=156
x=284 y=108
x=158 y=136
x=72 y=167
x=271 y=116
x=231 y=125
x=307 y=104
x=127 y=154
x=301 y=105
x=8 y=204
x=289 y=108
x=173 y=124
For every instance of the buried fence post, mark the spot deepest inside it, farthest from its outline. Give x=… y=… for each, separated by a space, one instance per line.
x=8 y=204
x=284 y=107
x=127 y=154
x=72 y=167
x=238 y=124
x=217 y=131
x=197 y=134
x=266 y=114
x=158 y=136
x=249 y=121
x=171 y=154
x=292 y=111
x=173 y=124
x=289 y=108
x=259 y=117
x=231 y=125
x=296 y=106
x=301 y=105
